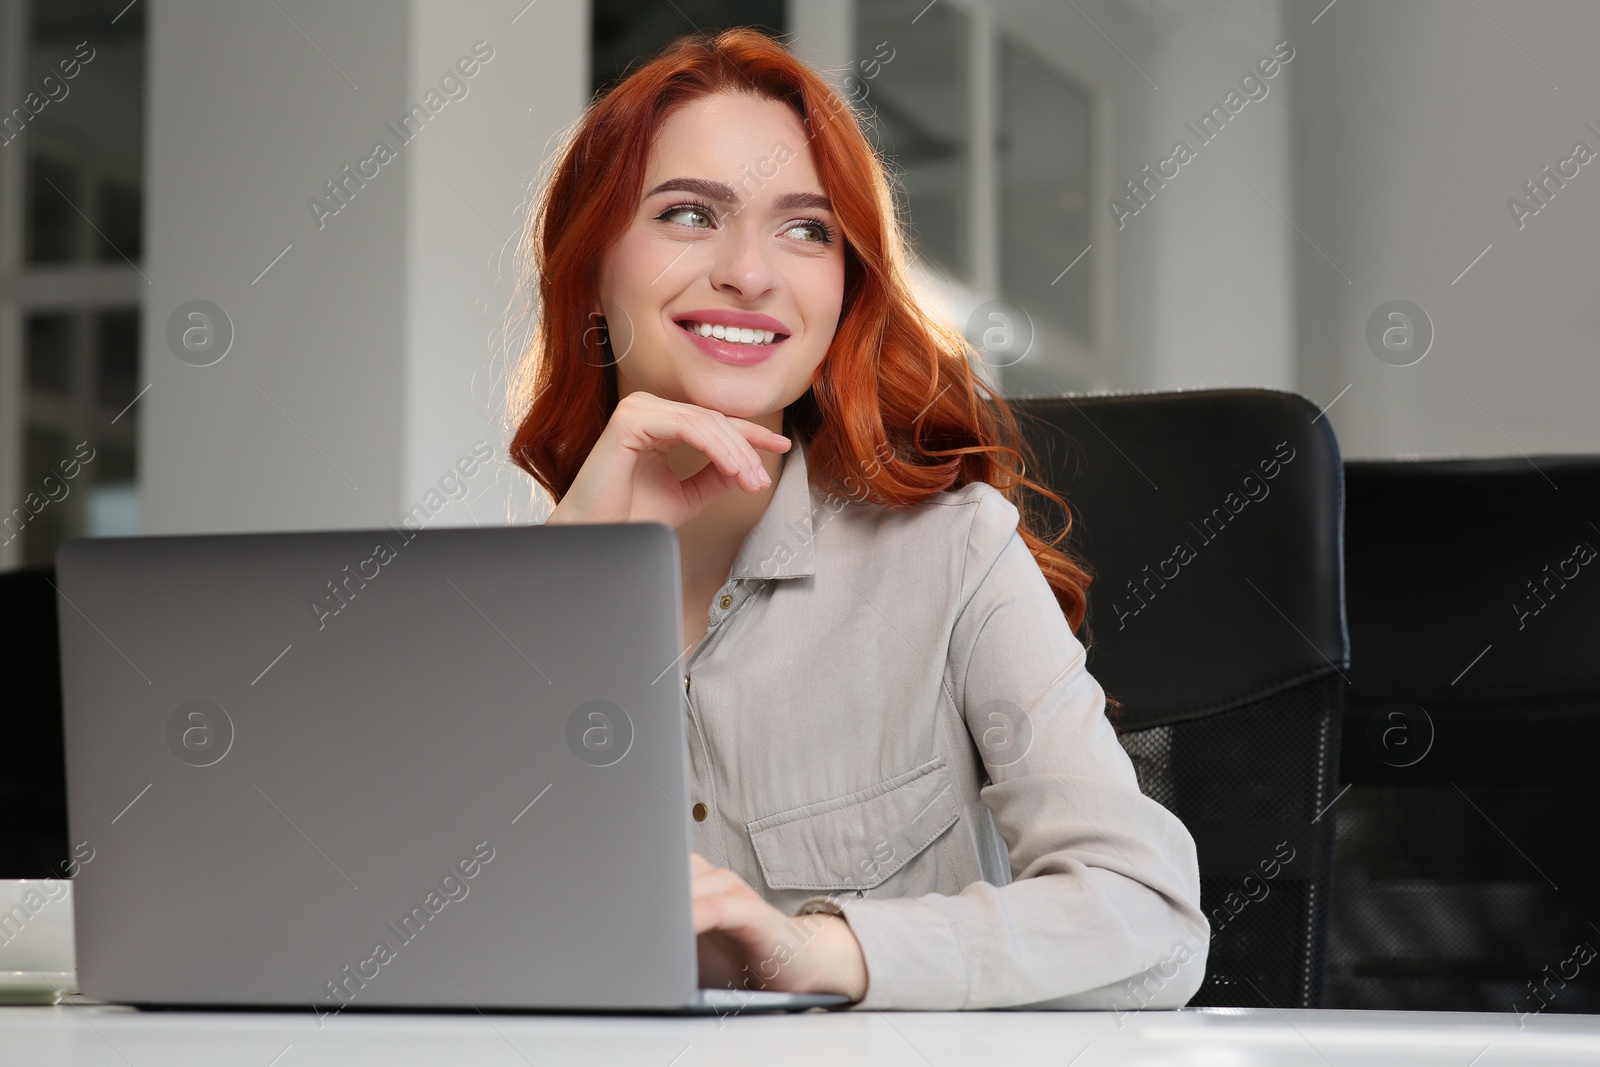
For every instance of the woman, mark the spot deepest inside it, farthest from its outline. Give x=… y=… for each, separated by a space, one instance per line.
x=889 y=715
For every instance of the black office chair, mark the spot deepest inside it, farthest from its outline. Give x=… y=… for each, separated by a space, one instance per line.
x=33 y=782
x=1228 y=657
x=1467 y=867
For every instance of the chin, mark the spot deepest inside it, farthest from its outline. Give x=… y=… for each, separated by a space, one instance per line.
x=738 y=400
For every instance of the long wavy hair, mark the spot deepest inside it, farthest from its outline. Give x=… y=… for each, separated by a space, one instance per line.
x=896 y=407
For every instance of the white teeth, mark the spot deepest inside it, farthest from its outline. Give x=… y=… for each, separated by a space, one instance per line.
x=733 y=334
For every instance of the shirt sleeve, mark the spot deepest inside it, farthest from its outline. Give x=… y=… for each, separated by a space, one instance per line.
x=1103 y=912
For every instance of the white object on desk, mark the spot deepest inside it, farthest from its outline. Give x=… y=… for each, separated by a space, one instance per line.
x=37 y=949
x=36 y=987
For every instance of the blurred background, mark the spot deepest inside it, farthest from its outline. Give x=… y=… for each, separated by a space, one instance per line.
x=199 y=293
x=224 y=307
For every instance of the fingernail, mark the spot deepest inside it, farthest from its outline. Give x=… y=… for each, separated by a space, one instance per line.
x=766 y=479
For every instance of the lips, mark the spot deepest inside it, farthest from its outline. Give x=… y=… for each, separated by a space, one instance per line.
x=732 y=334
x=731 y=352
x=726 y=317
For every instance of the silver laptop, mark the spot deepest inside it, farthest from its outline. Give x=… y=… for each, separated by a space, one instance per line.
x=436 y=769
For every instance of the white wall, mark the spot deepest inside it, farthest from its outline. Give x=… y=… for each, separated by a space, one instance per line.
x=363 y=357
x=1416 y=123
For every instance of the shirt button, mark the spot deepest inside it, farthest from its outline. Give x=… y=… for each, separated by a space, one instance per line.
x=700 y=812
x=726 y=602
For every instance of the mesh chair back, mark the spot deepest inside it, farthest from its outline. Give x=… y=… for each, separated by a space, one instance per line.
x=1212 y=521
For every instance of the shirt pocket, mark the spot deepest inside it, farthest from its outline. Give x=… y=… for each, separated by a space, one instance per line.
x=859 y=840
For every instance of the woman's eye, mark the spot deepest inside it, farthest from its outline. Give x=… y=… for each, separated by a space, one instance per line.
x=819 y=233
x=673 y=213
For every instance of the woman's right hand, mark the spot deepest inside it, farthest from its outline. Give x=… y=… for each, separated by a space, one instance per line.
x=626 y=477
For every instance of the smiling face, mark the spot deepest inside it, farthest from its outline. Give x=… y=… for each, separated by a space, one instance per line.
x=733 y=233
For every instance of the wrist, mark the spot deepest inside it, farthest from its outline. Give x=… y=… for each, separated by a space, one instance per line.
x=841 y=966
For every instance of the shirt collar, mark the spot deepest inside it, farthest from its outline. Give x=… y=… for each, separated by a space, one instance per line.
x=782 y=544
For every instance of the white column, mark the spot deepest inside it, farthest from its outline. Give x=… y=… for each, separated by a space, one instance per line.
x=364 y=285
x=1222 y=276
x=822 y=34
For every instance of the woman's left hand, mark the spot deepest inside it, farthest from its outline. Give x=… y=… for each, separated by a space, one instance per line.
x=746 y=943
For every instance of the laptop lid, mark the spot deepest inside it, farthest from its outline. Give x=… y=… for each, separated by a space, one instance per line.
x=380 y=768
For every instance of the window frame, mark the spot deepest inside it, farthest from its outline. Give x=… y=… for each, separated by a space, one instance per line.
x=82 y=287
x=1071 y=362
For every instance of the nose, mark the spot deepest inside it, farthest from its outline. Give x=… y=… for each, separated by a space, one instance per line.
x=740 y=267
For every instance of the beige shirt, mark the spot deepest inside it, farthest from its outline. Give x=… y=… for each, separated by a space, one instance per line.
x=889 y=718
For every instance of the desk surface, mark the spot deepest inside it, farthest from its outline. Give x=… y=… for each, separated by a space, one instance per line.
x=85 y=1034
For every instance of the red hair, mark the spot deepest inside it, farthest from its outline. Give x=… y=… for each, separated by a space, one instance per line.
x=896 y=406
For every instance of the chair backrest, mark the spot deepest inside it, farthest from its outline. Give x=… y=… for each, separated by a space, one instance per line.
x=1212 y=520
x=33 y=781
x=1467 y=871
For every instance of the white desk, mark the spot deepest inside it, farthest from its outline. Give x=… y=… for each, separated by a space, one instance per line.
x=91 y=1035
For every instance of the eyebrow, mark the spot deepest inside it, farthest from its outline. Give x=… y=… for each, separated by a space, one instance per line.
x=722 y=193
